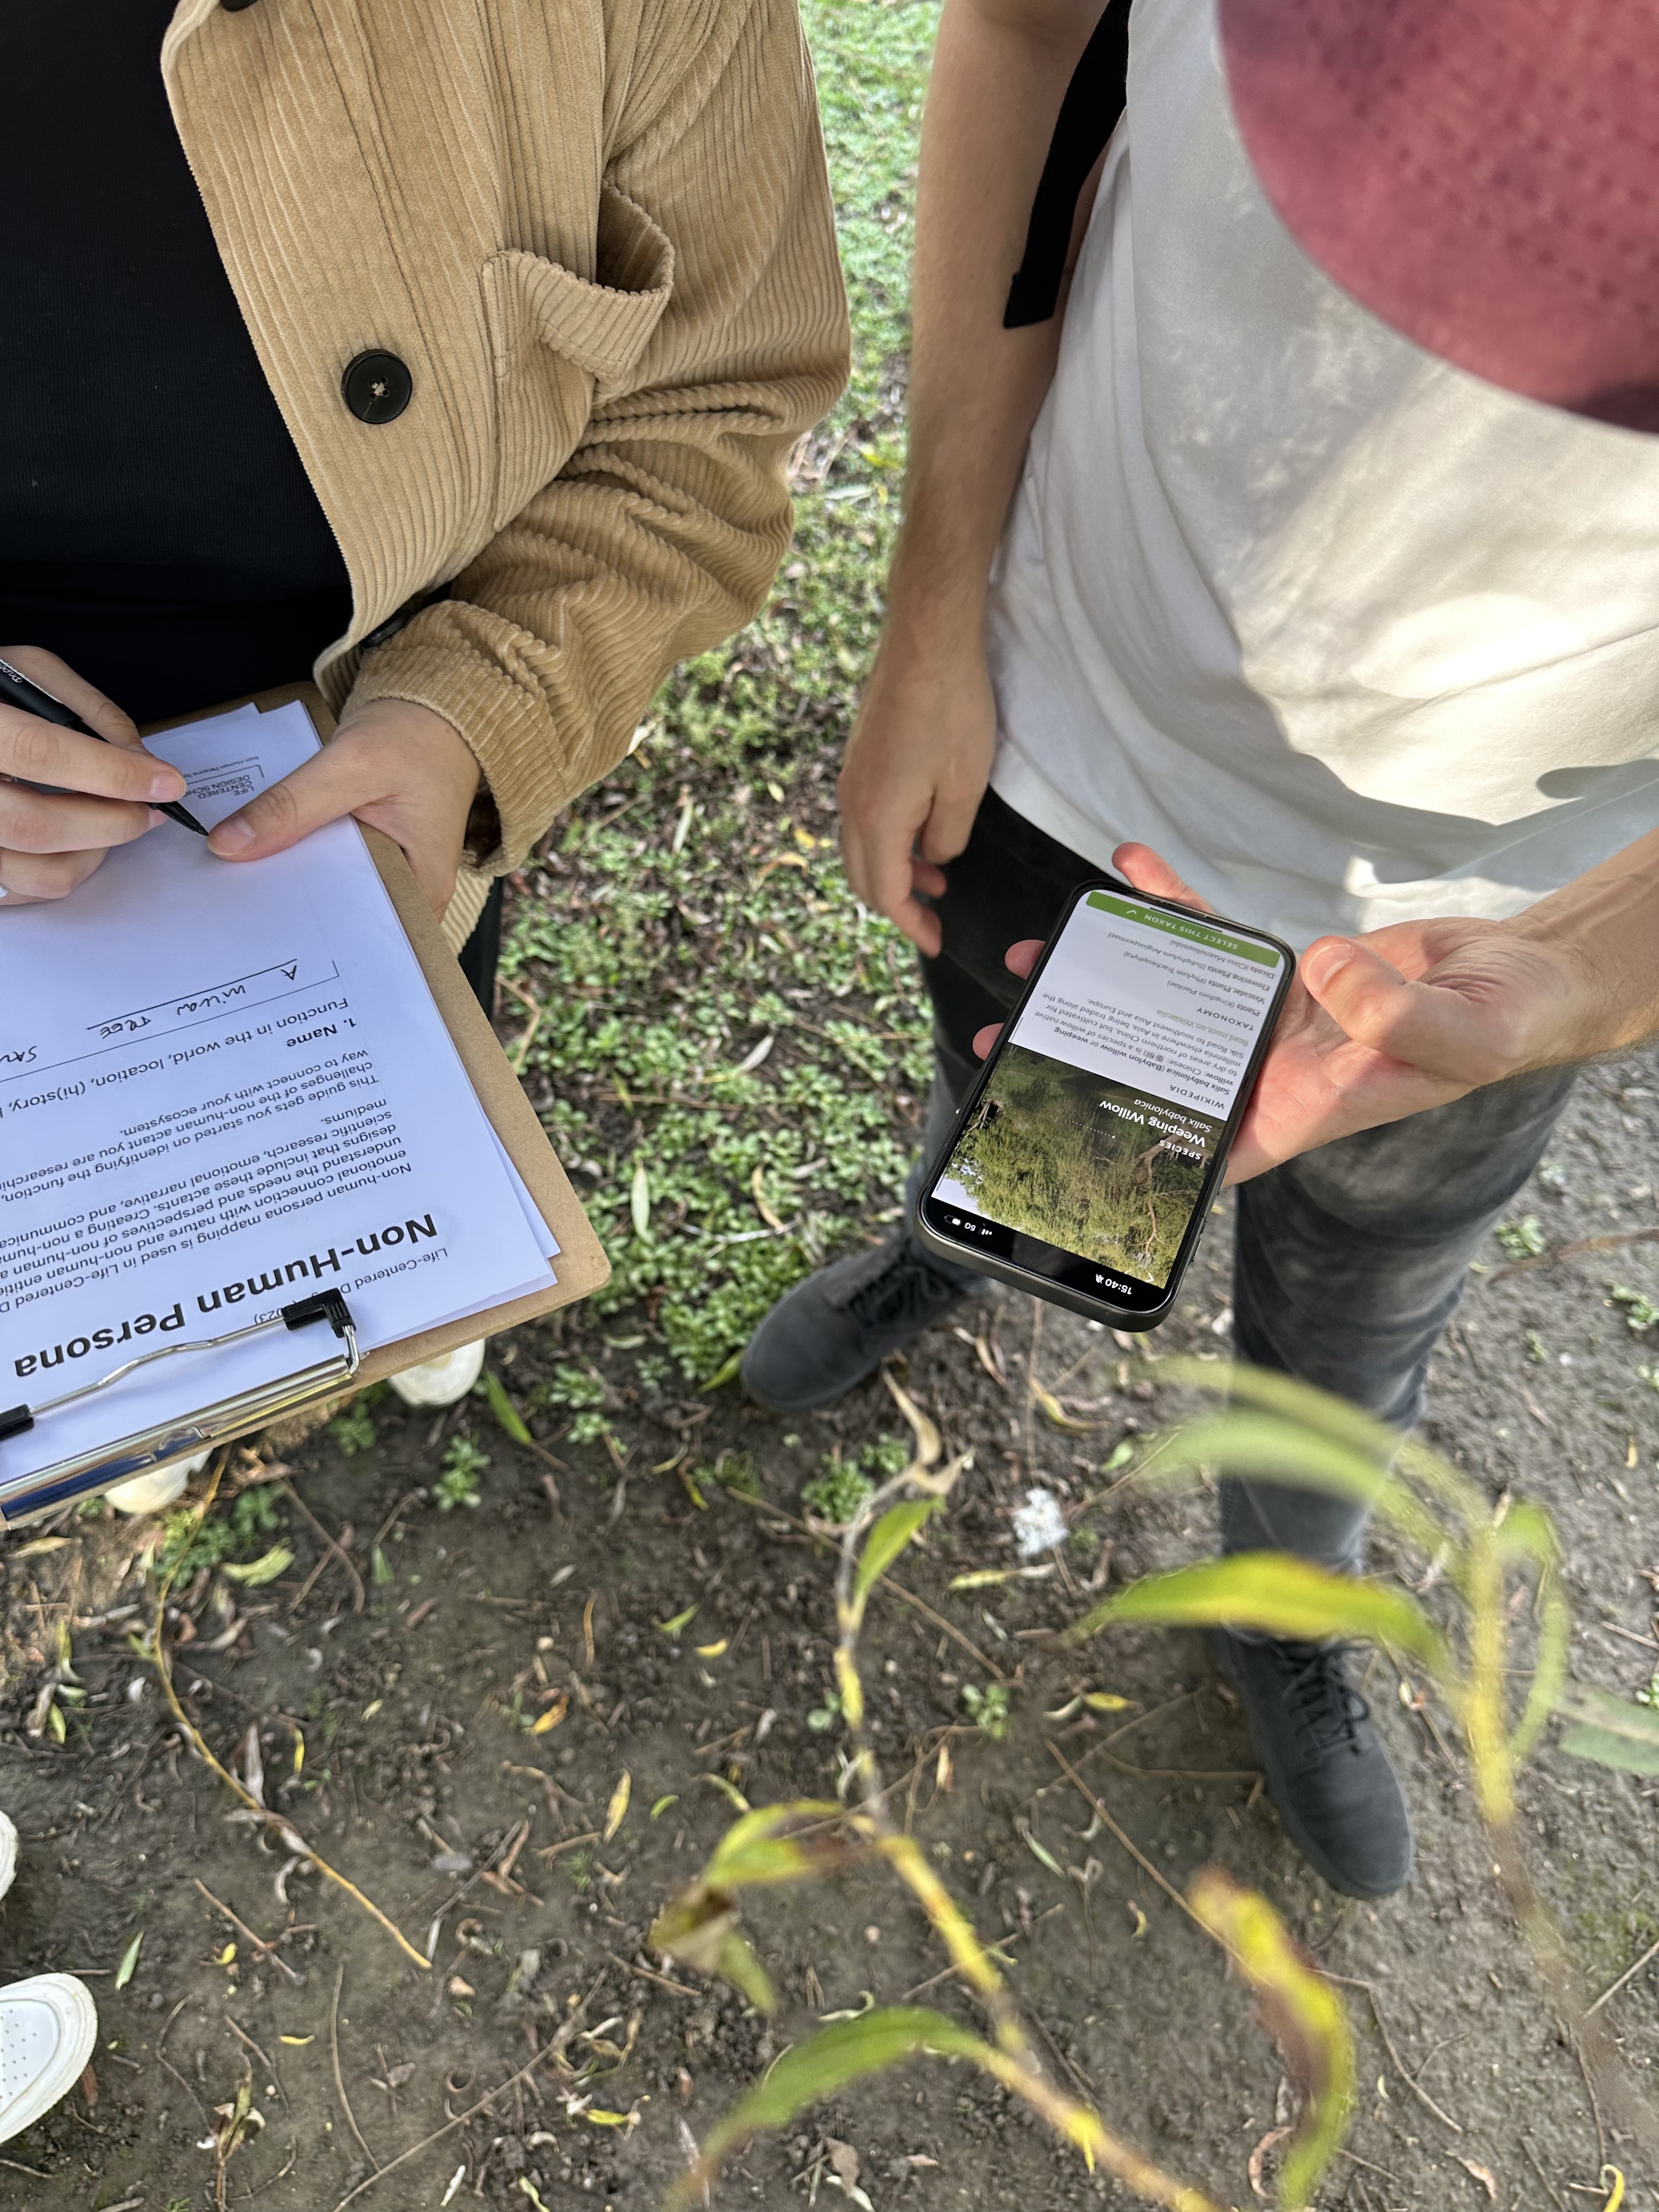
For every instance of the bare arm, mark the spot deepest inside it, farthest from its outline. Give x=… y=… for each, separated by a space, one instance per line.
x=1000 y=70
x=920 y=753
x=1416 y=1014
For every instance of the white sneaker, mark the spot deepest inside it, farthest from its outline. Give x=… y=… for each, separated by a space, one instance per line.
x=150 y=1493
x=48 y=2027
x=441 y=1382
x=8 y=1853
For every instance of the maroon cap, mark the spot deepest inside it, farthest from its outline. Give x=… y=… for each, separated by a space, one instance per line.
x=1482 y=174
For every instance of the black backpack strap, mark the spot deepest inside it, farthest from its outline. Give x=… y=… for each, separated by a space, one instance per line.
x=1088 y=116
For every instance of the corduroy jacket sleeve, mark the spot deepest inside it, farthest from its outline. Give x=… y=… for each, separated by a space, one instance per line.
x=719 y=334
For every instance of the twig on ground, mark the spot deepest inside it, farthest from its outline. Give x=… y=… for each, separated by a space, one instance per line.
x=243 y=2036
x=1132 y=1848
x=542 y=1452
x=162 y=1663
x=515 y=1058
x=1014 y=1936
x=765 y=1505
x=1595 y=2104
x=408 y=1498
x=1628 y=1974
x=1183 y=1773
x=1127 y=1728
x=1354 y=2158
x=566 y=2029
x=1421 y=2095
x=1059 y=2057
x=551 y=1851
x=955 y=1634
x=339 y=2081
x=1556 y=2196
x=336 y=1550
x=188 y=2087
x=646 y=1975
x=259 y=1942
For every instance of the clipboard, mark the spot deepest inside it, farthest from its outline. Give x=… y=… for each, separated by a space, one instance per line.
x=581 y=1266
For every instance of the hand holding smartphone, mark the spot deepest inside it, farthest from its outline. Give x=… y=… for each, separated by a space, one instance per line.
x=1083 y=1161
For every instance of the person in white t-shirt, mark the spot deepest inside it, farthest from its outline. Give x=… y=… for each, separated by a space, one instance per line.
x=1301 y=565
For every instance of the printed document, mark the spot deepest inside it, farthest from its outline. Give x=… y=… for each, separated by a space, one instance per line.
x=223 y=1087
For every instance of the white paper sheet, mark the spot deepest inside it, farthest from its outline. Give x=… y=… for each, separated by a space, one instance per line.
x=223 y=1086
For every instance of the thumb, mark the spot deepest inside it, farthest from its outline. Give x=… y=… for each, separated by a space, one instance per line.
x=1147 y=871
x=1428 y=1026
x=322 y=789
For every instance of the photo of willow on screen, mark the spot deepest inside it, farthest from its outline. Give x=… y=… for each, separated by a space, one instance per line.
x=1101 y=1169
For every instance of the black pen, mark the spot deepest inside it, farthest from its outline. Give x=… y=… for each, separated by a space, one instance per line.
x=17 y=690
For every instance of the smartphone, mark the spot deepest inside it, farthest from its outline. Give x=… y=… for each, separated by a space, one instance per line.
x=1082 y=1167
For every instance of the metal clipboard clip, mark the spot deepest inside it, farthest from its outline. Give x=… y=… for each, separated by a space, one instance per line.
x=25 y=1496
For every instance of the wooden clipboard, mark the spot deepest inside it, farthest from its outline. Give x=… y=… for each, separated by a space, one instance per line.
x=581 y=1266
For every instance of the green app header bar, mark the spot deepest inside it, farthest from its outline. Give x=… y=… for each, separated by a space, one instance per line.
x=1196 y=933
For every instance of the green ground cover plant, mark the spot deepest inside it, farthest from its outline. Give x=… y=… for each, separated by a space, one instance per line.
x=247 y=1527
x=729 y=1052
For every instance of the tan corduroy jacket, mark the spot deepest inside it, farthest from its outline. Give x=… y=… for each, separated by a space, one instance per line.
x=598 y=234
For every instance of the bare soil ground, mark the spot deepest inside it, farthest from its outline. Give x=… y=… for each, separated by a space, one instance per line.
x=426 y=1781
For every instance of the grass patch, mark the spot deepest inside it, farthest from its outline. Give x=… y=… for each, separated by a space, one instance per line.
x=731 y=1053
x=241 y=1531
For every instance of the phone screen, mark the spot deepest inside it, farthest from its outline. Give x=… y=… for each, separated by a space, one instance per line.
x=1095 y=1134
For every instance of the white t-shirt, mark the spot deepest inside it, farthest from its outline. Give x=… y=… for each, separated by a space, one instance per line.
x=1347 y=635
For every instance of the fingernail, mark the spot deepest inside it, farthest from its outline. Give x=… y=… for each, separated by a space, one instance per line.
x=166 y=783
x=1325 y=965
x=233 y=835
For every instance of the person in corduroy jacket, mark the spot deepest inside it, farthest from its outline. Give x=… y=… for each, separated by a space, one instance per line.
x=451 y=355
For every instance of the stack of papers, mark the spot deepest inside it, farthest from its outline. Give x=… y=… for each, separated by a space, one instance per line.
x=223 y=1087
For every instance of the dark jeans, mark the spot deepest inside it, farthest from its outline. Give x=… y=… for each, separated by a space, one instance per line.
x=1349 y=1260
x=480 y=955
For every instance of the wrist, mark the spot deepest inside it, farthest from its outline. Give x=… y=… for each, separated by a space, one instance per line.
x=1598 y=934
x=411 y=733
x=934 y=594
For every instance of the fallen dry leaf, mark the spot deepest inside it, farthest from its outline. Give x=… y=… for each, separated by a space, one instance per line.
x=757 y=1186
x=1482 y=2174
x=617 y=1807
x=550 y=1719
x=780 y=860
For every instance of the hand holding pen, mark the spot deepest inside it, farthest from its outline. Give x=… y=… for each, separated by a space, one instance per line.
x=101 y=788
